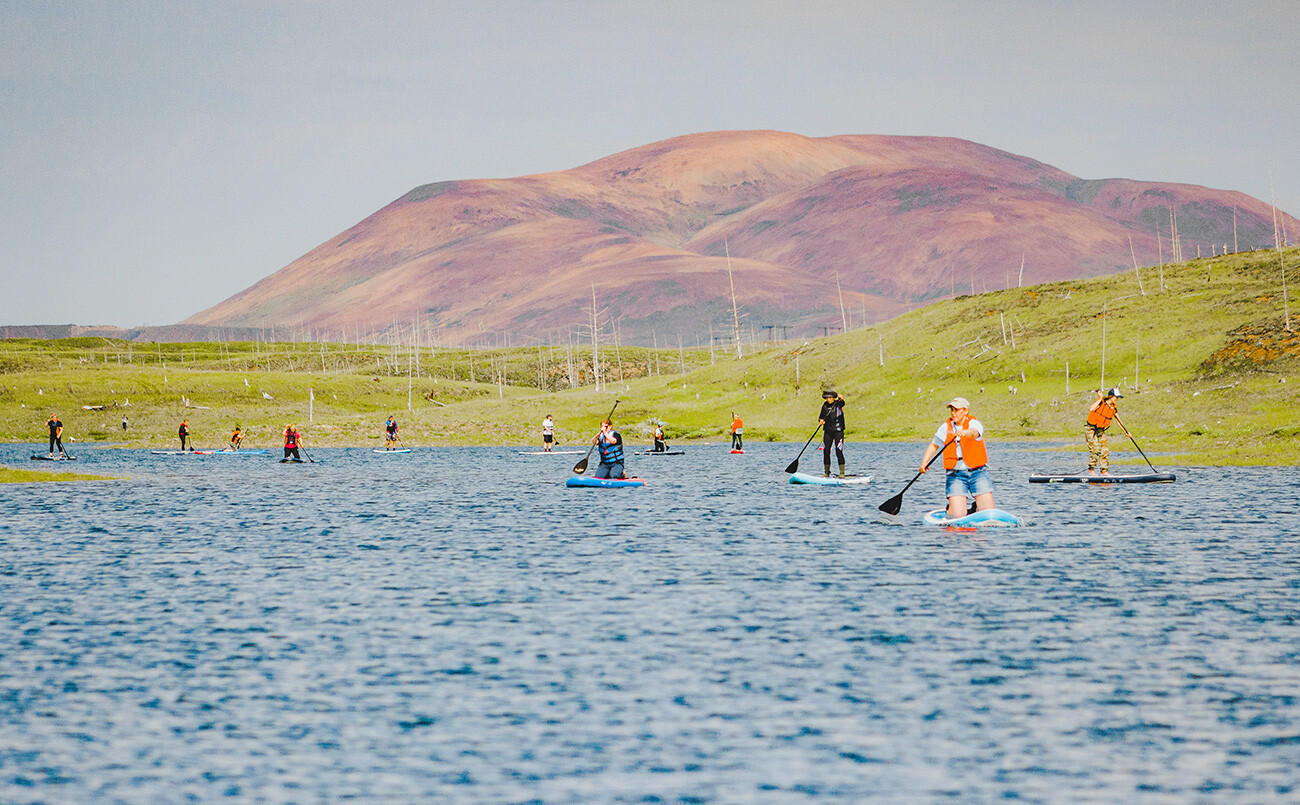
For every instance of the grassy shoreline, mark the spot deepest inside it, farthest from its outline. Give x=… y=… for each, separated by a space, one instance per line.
x=12 y=475
x=1209 y=374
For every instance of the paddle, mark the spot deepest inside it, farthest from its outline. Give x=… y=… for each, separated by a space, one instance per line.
x=794 y=465
x=581 y=466
x=1135 y=444
x=895 y=504
x=303 y=448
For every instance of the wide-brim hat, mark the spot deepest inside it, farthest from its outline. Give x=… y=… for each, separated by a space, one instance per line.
x=830 y=393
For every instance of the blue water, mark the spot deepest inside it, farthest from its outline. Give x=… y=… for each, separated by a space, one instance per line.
x=454 y=625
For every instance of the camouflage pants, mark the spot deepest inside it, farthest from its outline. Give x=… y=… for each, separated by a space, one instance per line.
x=1098 y=450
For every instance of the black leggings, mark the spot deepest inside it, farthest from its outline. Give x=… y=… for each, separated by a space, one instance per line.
x=55 y=440
x=829 y=441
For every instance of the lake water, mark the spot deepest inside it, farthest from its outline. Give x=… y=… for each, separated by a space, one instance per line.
x=453 y=625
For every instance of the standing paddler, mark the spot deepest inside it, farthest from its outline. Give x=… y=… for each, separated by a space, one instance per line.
x=609 y=443
x=56 y=434
x=1100 y=414
x=832 y=422
x=961 y=438
x=390 y=433
x=292 y=441
x=660 y=447
x=184 y=432
x=548 y=434
x=737 y=432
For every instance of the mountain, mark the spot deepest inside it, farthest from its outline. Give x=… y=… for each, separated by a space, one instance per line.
x=815 y=232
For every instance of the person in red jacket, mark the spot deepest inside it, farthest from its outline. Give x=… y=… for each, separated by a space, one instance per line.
x=965 y=460
x=1100 y=414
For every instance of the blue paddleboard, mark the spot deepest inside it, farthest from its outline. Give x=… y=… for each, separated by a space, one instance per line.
x=989 y=518
x=582 y=481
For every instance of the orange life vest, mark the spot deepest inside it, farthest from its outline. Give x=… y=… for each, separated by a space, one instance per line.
x=972 y=450
x=1101 y=416
x=291 y=438
x=736 y=424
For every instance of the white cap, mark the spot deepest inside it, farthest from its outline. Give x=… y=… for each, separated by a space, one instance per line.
x=959 y=402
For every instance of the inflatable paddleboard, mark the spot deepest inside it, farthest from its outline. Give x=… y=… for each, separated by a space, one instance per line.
x=817 y=480
x=662 y=453
x=47 y=457
x=243 y=452
x=293 y=461
x=398 y=450
x=989 y=518
x=582 y=481
x=181 y=452
x=737 y=452
x=550 y=452
x=1084 y=478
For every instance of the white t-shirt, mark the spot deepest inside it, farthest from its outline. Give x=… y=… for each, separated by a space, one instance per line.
x=548 y=427
x=941 y=435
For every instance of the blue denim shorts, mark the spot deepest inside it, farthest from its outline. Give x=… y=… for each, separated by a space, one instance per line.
x=969 y=483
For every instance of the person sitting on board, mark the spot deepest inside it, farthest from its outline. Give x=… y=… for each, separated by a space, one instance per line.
x=660 y=447
x=965 y=459
x=56 y=434
x=292 y=441
x=737 y=431
x=832 y=422
x=184 y=432
x=1100 y=414
x=548 y=434
x=609 y=443
x=390 y=433
x=236 y=437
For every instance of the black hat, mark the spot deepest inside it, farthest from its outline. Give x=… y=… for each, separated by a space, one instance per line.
x=830 y=393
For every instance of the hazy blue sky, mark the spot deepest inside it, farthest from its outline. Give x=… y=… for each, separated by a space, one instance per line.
x=157 y=157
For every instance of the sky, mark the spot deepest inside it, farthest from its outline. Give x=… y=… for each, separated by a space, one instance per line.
x=159 y=157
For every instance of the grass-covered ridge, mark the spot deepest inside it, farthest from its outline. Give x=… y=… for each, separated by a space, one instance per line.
x=1208 y=371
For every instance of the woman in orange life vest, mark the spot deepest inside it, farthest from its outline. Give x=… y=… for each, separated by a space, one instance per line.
x=965 y=461
x=737 y=432
x=292 y=441
x=1100 y=414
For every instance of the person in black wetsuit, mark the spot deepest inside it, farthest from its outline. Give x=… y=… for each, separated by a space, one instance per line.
x=56 y=434
x=832 y=421
x=184 y=432
x=609 y=443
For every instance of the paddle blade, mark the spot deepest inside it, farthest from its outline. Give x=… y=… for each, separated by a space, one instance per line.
x=894 y=505
x=793 y=467
x=580 y=467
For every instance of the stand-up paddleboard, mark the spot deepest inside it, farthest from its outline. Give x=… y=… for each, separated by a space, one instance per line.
x=582 y=481
x=1085 y=478
x=181 y=452
x=817 y=480
x=550 y=452
x=47 y=457
x=989 y=518
x=248 y=451
x=662 y=453
x=737 y=452
x=293 y=461
x=398 y=450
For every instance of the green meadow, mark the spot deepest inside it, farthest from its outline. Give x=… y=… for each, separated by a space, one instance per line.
x=1210 y=376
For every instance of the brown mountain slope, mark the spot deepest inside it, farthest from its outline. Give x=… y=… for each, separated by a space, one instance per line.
x=882 y=222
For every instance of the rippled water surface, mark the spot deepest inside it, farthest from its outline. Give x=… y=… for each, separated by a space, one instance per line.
x=455 y=625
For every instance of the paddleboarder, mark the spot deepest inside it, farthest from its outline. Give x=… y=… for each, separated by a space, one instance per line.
x=832 y=422
x=56 y=434
x=292 y=441
x=548 y=434
x=236 y=437
x=184 y=432
x=390 y=434
x=609 y=443
x=737 y=432
x=1100 y=414
x=965 y=459
x=660 y=447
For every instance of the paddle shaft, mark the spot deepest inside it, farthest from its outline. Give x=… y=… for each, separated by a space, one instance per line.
x=1135 y=444
x=894 y=504
x=793 y=467
x=581 y=466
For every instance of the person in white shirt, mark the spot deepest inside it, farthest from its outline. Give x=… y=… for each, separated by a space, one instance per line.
x=965 y=459
x=548 y=434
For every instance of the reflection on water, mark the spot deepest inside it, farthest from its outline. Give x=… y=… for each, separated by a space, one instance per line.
x=455 y=625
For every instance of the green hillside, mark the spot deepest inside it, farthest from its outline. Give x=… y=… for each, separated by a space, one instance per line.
x=1207 y=368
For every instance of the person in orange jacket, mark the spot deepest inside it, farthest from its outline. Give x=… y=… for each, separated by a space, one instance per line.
x=1100 y=414
x=965 y=459
x=737 y=431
